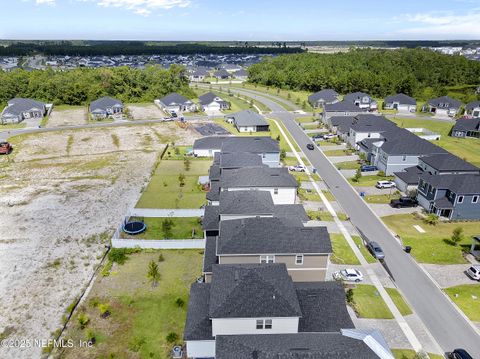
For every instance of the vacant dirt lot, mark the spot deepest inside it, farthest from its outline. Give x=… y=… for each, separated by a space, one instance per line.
x=145 y=112
x=62 y=194
x=67 y=116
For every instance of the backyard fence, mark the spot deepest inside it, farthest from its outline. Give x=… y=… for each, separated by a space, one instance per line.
x=159 y=244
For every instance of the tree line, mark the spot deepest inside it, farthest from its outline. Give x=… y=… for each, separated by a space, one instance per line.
x=82 y=85
x=420 y=73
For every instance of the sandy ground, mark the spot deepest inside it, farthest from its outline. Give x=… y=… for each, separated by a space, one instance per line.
x=145 y=112
x=67 y=117
x=61 y=198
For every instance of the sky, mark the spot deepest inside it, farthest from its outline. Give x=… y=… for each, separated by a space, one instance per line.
x=246 y=20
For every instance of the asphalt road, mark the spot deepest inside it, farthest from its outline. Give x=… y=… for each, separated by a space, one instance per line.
x=444 y=322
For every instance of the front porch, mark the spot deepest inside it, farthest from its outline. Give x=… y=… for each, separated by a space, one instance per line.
x=475 y=248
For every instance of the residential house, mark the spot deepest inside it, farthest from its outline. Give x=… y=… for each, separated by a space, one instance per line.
x=342 y=108
x=368 y=126
x=276 y=180
x=341 y=126
x=444 y=106
x=19 y=109
x=247 y=309
x=362 y=100
x=466 y=127
x=241 y=74
x=175 y=102
x=263 y=146
x=198 y=75
x=323 y=97
x=247 y=121
x=212 y=102
x=105 y=107
x=456 y=197
x=440 y=164
x=472 y=109
x=231 y=68
x=222 y=74
x=400 y=102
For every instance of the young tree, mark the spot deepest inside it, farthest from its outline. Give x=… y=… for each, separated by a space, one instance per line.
x=457 y=235
x=153 y=274
x=358 y=175
x=181 y=179
x=186 y=164
x=167 y=225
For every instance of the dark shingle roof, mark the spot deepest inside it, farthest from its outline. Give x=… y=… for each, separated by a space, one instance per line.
x=372 y=123
x=352 y=97
x=448 y=162
x=292 y=346
x=459 y=184
x=444 y=102
x=210 y=142
x=211 y=217
x=247 y=118
x=410 y=175
x=200 y=72
x=467 y=124
x=214 y=173
x=174 y=99
x=266 y=235
x=472 y=105
x=342 y=106
x=273 y=177
x=323 y=307
x=342 y=123
x=401 y=98
x=221 y=73
x=326 y=95
x=214 y=193
x=239 y=159
x=443 y=203
x=198 y=325
x=104 y=103
x=246 y=202
x=241 y=72
x=403 y=142
x=17 y=106
x=210 y=255
x=290 y=210
x=260 y=144
x=252 y=291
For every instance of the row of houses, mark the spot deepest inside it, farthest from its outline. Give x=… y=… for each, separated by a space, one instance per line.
x=264 y=292
x=356 y=103
x=200 y=74
x=444 y=184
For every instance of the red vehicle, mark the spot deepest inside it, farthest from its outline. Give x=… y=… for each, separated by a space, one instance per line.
x=5 y=148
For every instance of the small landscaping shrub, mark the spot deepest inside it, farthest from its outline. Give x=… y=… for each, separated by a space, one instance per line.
x=160 y=257
x=172 y=337
x=83 y=320
x=90 y=336
x=180 y=302
x=104 y=309
x=431 y=219
x=349 y=295
x=457 y=235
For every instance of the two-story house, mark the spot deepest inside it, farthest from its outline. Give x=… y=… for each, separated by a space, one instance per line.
x=368 y=126
x=342 y=108
x=198 y=75
x=362 y=100
x=456 y=197
x=19 y=109
x=472 y=109
x=105 y=107
x=246 y=309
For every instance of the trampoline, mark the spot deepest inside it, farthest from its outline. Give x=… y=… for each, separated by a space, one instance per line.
x=134 y=227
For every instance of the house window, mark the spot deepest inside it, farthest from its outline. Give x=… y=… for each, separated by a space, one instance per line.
x=299 y=259
x=259 y=323
x=460 y=199
x=268 y=324
x=475 y=199
x=264 y=324
x=267 y=259
x=275 y=191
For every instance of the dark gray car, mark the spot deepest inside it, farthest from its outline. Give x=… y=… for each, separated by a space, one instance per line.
x=376 y=250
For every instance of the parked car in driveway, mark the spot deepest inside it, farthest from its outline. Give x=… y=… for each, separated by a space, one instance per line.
x=329 y=136
x=376 y=250
x=317 y=137
x=297 y=168
x=385 y=184
x=310 y=146
x=474 y=272
x=404 y=202
x=348 y=275
x=368 y=168
x=459 y=354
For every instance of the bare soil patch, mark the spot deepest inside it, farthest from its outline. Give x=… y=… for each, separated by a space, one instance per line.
x=71 y=116
x=145 y=112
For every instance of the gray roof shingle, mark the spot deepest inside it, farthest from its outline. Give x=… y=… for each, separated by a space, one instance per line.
x=449 y=162
x=174 y=99
x=354 y=96
x=210 y=97
x=247 y=118
x=105 y=102
x=210 y=142
x=459 y=184
x=198 y=325
x=271 y=177
x=410 y=175
x=343 y=106
x=252 y=291
x=472 y=105
x=401 y=99
x=445 y=102
x=17 y=106
x=211 y=217
x=210 y=256
x=325 y=95
x=239 y=159
x=467 y=124
x=404 y=142
x=246 y=202
x=232 y=144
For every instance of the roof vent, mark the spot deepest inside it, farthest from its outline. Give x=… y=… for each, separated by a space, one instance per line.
x=236 y=276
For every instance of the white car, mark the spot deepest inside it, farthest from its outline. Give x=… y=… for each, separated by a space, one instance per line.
x=329 y=136
x=474 y=272
x=348 y=275
x=297 y=168
x=385 y=184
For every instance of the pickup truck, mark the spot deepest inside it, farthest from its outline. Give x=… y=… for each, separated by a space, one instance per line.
x=403 y=202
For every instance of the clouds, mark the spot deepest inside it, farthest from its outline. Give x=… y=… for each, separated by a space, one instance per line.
x=45 y=2
x=443 y=24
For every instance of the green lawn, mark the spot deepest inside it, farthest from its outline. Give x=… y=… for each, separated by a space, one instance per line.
x=164 y=190
x=325 y=216
x=368 y=303
x=342 y=253
x=335 y=153
x=468 y=148
x=465 y=301
x=182 y=228
x=141 y=315
x=381 y=198
x=367 y=181
x=306 y=119
x=308 y=195
x=13 y=126
x=433 y=246
x=348 y=165
x=411 y=354
x=399 y=301
x=328 y=194
x=311 y=126
x=365 y=252
x=179 y=153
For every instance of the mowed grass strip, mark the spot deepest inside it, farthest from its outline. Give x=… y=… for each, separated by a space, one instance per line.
x=141 y=315
x=399 y=301
x=342 y=253
x=368 y=303
x=411 y=354
x=165 y=191
x=434 y=246
x=467 y=297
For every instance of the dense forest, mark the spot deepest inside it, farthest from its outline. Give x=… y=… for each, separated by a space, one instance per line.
x=417 y=72
x=112 y=48
x=82 y=85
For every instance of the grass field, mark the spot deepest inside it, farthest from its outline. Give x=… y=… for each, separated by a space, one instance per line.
x=433 y=246
x=308 y=195
x=335 y=153
x=411 y=354
x=366 y=254
x=468 y=299
x=325 y=216
x=306 y=119
x=348 y=165
x=13 y=126
x=381 y=198
x=367 y=181
x=141 y=315
x=182 y=228
x=369 y=304
x=342 y=253
x=399 y=301
x=164 y=190
x=467 y=148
